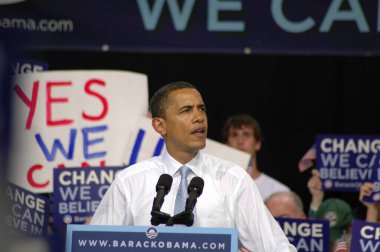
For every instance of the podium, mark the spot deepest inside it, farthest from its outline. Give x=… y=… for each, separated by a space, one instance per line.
x=96 y=238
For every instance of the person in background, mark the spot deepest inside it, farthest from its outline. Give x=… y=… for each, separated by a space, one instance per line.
x=373 y=209
x=285 y=205
x=337 y=211
x=243 y=132
x=179 y=116
x=340 y=217
x=314 y=185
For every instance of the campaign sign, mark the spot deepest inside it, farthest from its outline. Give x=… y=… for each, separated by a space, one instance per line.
x=365 y=236
x=71 y=118
x=78 y=192
x=29 y=66
x=307 y=235
x=89 y=238
x=375 y=180
x=27 y=212
x=345 y=161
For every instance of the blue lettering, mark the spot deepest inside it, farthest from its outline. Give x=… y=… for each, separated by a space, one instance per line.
x=57 y=145
x=136 y=147
x=87 y=142
x=159 y=147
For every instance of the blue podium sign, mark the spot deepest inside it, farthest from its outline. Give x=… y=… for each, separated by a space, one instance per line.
x=96 y=238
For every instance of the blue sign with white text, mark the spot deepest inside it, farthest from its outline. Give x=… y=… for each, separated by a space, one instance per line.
x=78 y=192
x=27 y=213
x=365 y=236
x=345 y=161
x=88 y=238
x=307 y=235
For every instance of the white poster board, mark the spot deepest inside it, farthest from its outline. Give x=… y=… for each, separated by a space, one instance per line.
x=71 y=119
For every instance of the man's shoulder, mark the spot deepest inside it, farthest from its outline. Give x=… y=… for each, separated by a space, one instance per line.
x=219 y=164
x=152 y=164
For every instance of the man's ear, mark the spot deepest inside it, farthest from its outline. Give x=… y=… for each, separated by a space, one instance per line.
x=258 y=146
x=159 y=125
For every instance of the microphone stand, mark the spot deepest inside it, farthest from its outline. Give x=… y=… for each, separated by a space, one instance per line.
x=184 y=218
x=159 y=217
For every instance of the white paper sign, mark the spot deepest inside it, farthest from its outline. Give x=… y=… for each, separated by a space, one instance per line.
x=71 y=119
x=145 y=142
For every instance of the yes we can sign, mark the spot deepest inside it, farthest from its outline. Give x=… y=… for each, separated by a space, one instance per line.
x=71 y=119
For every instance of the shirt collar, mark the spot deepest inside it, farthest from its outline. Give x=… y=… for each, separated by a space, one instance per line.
x=173 y=165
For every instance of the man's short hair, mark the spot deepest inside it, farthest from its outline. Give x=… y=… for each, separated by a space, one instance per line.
x=160 y=99
x=238 y=121
x=296 y=198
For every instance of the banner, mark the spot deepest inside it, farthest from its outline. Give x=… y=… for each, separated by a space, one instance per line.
x=345 y=161
x=197 y=26
x=365 y=236
x=78 y=192
x=71 y=119
x=27 y=213
x=307 y=235
x=98 y=238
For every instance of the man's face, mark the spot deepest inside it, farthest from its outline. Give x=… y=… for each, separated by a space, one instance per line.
x=185 y=122
x=243 y=139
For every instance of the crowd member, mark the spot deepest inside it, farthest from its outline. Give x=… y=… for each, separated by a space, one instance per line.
x=179 y=116
x=373 y=209
x=285 y=205
x=340 y=217
x=337 y=211
x=243 y=132
x=314 y=185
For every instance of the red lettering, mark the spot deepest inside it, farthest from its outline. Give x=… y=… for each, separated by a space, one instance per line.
x=102 y=99
x=30 y=179
x=50 y=100
x=30 y=103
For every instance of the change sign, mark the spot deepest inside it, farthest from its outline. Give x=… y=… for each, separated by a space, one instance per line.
x=27 y=212
x=78 y=191
x=345 y=161
x=365 y=236
x=306 y=235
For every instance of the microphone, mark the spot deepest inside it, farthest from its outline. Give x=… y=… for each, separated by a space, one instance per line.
x=194 y=190
x=162 y=188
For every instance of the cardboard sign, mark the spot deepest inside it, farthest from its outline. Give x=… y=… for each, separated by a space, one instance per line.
x=345 y=162
x=78 y=192
x=307 y=235
x=71 y=119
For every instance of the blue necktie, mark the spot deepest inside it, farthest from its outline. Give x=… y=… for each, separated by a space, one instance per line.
x=180 y=201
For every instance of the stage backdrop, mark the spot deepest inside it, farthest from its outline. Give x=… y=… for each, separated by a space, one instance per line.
x=208 y=26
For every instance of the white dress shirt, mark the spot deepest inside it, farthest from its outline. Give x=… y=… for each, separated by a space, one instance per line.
x=230 y=198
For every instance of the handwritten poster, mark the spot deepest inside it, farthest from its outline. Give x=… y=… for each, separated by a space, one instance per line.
x=71 y=119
